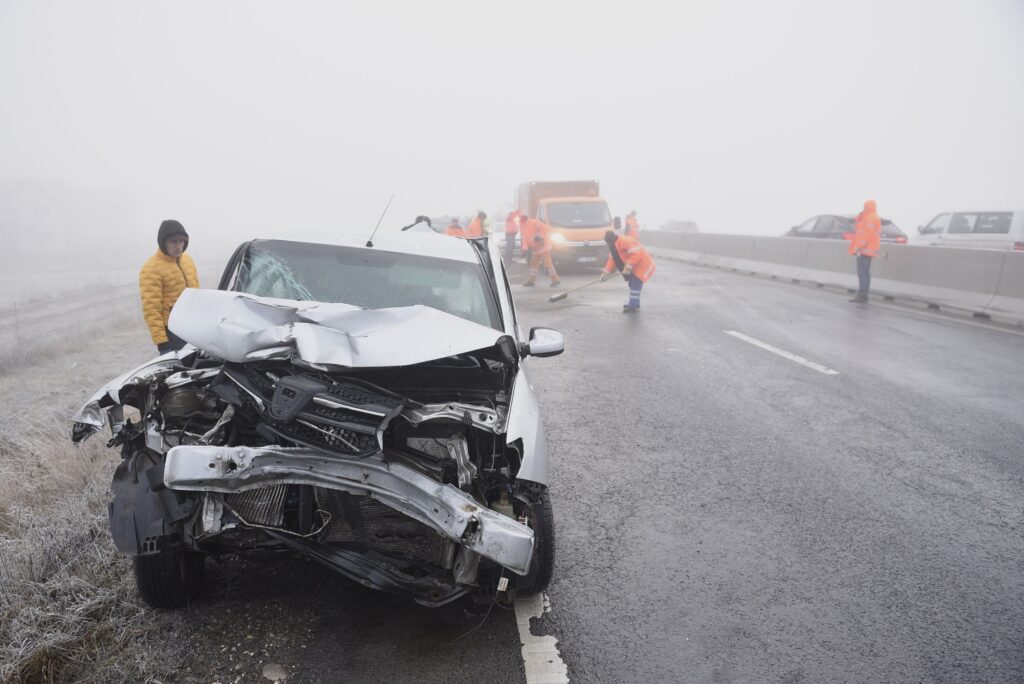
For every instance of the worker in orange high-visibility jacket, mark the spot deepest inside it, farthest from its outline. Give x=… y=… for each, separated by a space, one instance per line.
x=476 y=226
x=629 y=257
x=526 y=231
x=455 y=229
x=632 y=225
x=864 y=244
x=511 y=228
x=540 y=252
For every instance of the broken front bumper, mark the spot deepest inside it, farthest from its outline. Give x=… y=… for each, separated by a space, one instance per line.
x=448 y=510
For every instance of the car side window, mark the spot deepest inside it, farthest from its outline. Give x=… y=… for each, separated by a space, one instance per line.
x=828 y=226
x=937 y=225
x=994 y=222
x=807 y=226
x=962 y=223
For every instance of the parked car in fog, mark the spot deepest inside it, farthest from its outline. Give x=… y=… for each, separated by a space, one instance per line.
x=836 y=226
x=974 y=229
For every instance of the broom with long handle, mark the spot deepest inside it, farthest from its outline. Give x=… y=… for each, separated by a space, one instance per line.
x=562 y=295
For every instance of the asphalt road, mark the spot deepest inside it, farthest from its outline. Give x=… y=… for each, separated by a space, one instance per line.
x=724 y=513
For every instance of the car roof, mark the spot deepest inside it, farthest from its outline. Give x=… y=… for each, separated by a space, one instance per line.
x=421 y=242
x=850 y=217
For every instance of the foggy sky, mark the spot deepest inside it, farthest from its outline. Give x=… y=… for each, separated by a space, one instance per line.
x=279 y=118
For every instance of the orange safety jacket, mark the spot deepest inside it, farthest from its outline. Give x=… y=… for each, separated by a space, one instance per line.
x=867 y=234
x=527 y=227
x=638 y=260
x=476 y=229
x=455 y=231
x=531 y=229
x=512 y=223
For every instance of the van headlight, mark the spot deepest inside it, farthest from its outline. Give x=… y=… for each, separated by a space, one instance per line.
x=558 y=239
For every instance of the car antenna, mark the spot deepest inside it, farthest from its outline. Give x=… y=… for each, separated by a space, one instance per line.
x=369 y=243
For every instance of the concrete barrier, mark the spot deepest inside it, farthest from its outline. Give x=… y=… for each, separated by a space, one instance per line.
x=1008 y=300
x=980 y=281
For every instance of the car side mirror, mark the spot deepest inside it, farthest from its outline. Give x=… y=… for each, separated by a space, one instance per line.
x=544 y=342
x=792 y=231
x=920 y=230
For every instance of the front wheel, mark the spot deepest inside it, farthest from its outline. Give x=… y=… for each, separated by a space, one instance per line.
x=535 y=504
x=169 y=578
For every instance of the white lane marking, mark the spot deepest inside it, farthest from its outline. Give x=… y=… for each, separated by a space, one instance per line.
x=540 y=653
x=784 y=354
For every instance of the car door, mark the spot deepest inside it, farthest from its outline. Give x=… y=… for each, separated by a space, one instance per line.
x=960 y=232
x=992 y=230
x=829 y=228
x=932 y=232
x=524 y=422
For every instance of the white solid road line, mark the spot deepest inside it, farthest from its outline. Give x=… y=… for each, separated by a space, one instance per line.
x=949 y=318
x=540 y=653
x=784 y=354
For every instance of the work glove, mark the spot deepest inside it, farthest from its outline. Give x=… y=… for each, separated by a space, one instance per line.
x=537 y=239
x=605 y=275
x=625 y=276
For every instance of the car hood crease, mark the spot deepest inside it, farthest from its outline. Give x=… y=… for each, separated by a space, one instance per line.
x=240 y=327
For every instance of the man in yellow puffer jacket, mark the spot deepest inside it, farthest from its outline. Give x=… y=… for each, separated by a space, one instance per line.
x=163 y=278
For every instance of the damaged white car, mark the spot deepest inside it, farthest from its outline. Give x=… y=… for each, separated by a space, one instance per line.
x=367 y=407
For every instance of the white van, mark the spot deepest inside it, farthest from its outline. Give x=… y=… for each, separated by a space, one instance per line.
x=975 y=229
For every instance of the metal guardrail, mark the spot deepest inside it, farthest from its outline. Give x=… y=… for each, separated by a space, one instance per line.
x=984 y=282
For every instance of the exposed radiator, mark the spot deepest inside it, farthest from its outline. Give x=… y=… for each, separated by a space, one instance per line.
x=260 y=506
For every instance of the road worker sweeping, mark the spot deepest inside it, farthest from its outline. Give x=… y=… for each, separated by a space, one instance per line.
x=540 y=239
x=629 y=257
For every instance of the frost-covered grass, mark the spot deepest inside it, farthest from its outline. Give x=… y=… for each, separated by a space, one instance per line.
x=67 y=610
x=68 y=607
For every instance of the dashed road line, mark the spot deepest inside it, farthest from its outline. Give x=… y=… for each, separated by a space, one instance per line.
x=783 y=353
x=540 y=653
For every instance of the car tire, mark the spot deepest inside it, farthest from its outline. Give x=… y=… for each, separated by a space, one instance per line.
x=169 y=578
x=537 y=508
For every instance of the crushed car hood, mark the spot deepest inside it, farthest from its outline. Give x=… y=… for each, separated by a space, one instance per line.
x=239 y=327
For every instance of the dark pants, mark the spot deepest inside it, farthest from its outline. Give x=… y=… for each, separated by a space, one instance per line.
x=173 y=343
x=635 y=285
x=510 y=247
x=863 y=274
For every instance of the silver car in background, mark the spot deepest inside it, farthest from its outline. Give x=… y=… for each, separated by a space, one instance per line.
x=366 y=407
x=974 y=230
